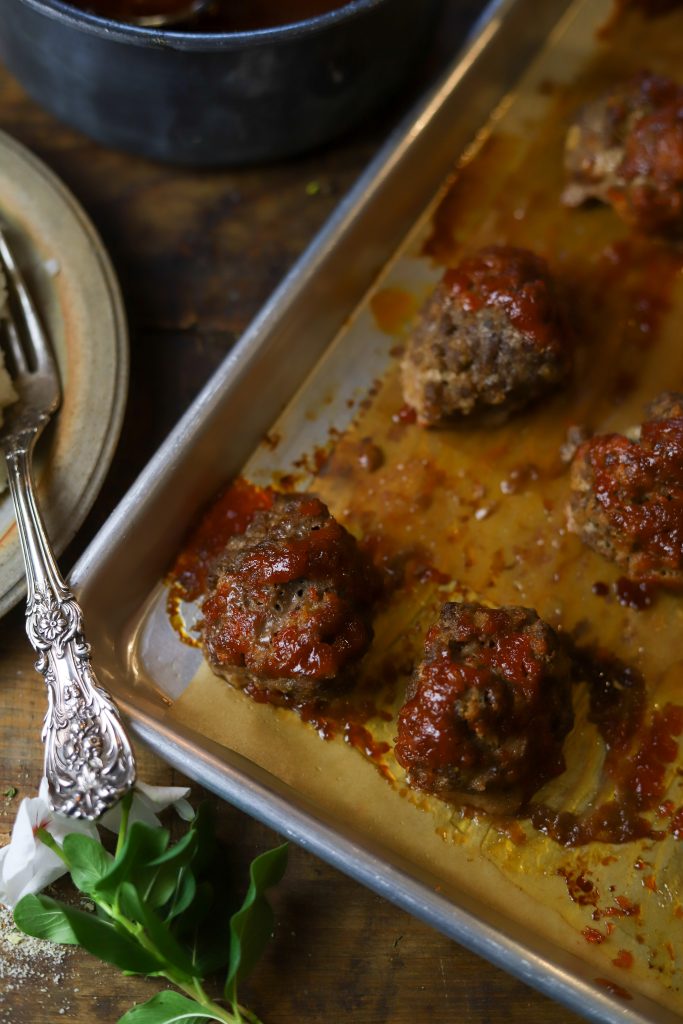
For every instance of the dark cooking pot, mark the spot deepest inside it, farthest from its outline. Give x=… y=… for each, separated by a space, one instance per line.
x=213 y=98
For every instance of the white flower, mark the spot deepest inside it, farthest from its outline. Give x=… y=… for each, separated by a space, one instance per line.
x=27 y=865
x=146 y=801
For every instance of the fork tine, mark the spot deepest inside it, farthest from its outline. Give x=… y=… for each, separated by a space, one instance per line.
x=40 y=344
x=16 y=363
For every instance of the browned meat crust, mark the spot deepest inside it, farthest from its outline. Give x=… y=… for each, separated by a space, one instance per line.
x=289 y=607
x=626 y=148
x=487 y=709
x=490 y=337
x=627 y=496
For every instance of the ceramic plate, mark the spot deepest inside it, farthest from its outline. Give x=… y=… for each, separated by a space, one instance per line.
x=74 y=286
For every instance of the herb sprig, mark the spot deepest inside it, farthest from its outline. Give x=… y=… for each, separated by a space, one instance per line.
x=162 y=909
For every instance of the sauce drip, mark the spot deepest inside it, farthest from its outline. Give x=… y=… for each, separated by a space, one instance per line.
x=639 y=754
x=228 y=514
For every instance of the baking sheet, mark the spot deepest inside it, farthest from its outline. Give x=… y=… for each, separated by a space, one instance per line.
x=477 y=870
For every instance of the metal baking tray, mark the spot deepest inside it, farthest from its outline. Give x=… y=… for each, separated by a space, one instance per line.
x=302 y=327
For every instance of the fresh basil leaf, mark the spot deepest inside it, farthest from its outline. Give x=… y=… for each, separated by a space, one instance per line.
x=203 y=927
x=167 y=1008
x=252 y=925
x=180 y=853
x=137 y=910
x=184 y=894
x=143 y=844
x=88 y=860
x=45 y=918
x=204 y=827
x=171 y=868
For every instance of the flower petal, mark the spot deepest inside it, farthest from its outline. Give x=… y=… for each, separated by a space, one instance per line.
x=147 y=800
x=26 y=862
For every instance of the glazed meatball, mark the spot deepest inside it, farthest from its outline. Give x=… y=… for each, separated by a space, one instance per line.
x=289 y=606
x=627 y=496
x=488 y=707
x=489 y=338
x=626 y=148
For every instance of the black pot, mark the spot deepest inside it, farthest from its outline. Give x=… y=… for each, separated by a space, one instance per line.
x=220 y=98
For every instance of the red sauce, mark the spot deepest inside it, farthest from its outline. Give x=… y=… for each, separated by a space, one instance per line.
x=223 y=16
x=615 y=989
x=405 y=415
x=653 y=164
x=623 y=959
x=639 y=487
x=638 y=757
x=515 y=281
x=642 y=777
x=617 y=699
x=634 y=594
x=581 y=890
x=330 y=627
x=228 y=514
x=344 y=716
x=611 y=822
x=358 y=736
x=593 y=936
x=494 y=669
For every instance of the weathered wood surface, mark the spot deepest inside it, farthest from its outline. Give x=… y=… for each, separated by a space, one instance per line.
x=197 y=254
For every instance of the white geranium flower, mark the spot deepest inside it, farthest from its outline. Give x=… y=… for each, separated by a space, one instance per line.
x=28 y=866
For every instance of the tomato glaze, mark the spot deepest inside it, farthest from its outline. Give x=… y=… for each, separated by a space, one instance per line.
x=513 y=280
x=639 y=486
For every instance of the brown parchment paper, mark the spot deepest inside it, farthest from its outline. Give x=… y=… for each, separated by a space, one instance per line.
x=486 y=506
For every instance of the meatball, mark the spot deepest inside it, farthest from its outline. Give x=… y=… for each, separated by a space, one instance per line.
x=488 y=707
x=627 y=496
x=289 y=605
x=490 y=337
x=626 y=148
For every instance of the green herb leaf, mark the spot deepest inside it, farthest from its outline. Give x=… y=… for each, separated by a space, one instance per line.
x=170 y=870
x=45 y=918
x=185 y=892
x=88 y=861
x=137 y=910
x=142 y=845
x=201 y=923
x=180 y=853
x=11 y=792
x=251 y=926
x=166 y=1008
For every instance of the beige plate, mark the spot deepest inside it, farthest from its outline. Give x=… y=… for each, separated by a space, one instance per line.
x=73 y=283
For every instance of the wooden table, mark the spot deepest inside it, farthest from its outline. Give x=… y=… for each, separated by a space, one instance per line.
x=197 y=254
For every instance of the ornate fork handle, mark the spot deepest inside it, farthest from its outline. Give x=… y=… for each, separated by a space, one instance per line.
x=89 y=762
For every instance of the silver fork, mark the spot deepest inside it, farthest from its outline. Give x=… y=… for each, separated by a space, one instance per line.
x=89 y=762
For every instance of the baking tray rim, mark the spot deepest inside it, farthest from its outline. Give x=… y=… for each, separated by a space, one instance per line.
x=175 y=744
